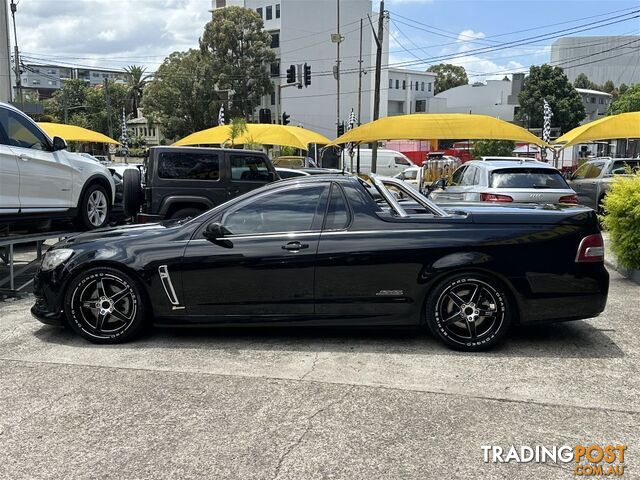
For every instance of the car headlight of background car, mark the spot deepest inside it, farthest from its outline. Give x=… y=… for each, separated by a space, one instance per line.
x=53 y=258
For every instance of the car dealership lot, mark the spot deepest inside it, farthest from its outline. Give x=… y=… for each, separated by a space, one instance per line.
x=313 y=403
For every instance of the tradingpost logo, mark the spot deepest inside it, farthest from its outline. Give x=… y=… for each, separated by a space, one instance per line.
x=588 y=460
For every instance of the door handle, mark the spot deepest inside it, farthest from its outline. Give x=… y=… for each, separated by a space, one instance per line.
x=24 y=157
x=295 y=246
x=233 y=191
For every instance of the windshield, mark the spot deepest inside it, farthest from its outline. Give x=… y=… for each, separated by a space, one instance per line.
x=588 y=170
x=527 y=178
x=622 y=167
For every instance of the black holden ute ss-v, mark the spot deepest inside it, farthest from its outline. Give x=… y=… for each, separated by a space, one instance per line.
x=332 y=251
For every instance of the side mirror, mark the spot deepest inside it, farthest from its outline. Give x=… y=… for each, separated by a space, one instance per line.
x=273 y=176
x=59 y=144
x=440 y=183
x=215 y=231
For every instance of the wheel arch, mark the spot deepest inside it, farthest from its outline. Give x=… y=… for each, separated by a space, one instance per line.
x=80 y=269
x=439 y=276
x=95 y=179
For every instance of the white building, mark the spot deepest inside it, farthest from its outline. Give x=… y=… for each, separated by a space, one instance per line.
x=409 y=91
x=602 y=58
x=497 y=98
x=595 y=103
x=141 y=127
x=301 y=33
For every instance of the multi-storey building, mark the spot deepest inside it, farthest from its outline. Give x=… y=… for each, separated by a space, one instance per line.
x=301 y=32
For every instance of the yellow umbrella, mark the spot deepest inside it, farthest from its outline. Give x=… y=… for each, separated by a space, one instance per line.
x=426 y=126
x=73 y=133
x=264 y=133
x=624 y=125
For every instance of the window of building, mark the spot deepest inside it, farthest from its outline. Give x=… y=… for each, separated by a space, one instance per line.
x=273 y=98
x=416 y=86
x=421 y=105
x=429 y=86
x=36 y=81
x=221 y=3
x=422 y=86
x=53 y=83
x=275 y=69
x=95 y=74
x=275 y=39
x=259 y=10
x=52 y=71
x=404 y=84
x=277 y=10
x=390 y=83
x=189 y=166
x=269 y=12
x=397 y=84
x=593 y=99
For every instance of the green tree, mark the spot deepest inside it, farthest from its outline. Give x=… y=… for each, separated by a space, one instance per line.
x=608 y=87
x=136 y=80
x=550 y=83
x=629 y=101
x=182 y=98
x=237 y=127
x=582 y=81
x=238 y=52
x=102 y=116
x=67 y=101
x=493 y=148
x=448 y=76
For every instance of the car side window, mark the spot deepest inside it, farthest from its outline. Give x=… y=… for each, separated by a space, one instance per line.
x=189 y=166
x=248 y=168
x=456 y=178
x=337 y=213
x=469 y=176
x=292 y=210
x=402 y=161
x=588 y=170
x=20 y=132
x=624 y=167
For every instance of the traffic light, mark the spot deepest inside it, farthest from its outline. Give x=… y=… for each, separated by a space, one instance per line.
x=341 y=128
x=291 y=74
x=307 y=75
x=285 y=118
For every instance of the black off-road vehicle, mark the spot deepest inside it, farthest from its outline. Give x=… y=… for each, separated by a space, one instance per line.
x=183 y=182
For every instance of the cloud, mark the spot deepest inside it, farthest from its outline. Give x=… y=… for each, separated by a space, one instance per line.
x=110 y=32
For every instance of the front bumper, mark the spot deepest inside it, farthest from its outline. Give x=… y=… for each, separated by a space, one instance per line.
x=48 y=293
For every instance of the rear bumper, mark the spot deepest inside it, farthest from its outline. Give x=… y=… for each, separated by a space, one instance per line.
x=572 y=296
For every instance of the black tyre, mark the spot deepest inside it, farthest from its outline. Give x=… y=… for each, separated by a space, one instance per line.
x=105 y=305
x=185 y=212
x=132 y=192
x=95 y=208
x=469 y=312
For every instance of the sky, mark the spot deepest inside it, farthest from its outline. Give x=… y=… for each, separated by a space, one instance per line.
x=117 y=33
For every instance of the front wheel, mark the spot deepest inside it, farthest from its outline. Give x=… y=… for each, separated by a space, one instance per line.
x=105 y=305
x=94 y=208
x=469 y=312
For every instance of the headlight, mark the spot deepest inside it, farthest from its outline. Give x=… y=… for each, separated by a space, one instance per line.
x=53 y=258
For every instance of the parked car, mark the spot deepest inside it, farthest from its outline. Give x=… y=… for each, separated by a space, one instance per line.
x=285 y=173
x=410 y=175
x=40 y=179
x=321 y=251
x=183 y=182
x=505 y=181
x=118 y=212
x=388 y=162
x=592 y=179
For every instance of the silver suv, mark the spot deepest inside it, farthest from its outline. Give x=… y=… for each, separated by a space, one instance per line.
x=505 y=181
x=592 y=179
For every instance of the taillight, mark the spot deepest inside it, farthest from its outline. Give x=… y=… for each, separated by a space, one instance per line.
x=572 y=199
x=494 y=197
x=591 y=249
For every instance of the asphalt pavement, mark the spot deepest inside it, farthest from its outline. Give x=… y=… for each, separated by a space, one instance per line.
x=314 y=404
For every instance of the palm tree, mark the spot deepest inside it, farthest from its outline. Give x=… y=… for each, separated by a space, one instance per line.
x=136 y=80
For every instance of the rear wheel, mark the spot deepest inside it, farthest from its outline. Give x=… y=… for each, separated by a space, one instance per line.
x=105 y=305
x=469 y=312
x=131 y=191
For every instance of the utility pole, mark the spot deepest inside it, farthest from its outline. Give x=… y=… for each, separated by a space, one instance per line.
x=376 y=93
x=359 y=95
x=108 y=102
x=338 y=62
x=16 y=54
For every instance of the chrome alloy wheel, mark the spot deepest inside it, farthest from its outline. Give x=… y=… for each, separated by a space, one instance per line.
x=470 y=311
x=104 y=305
x=97 y=207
